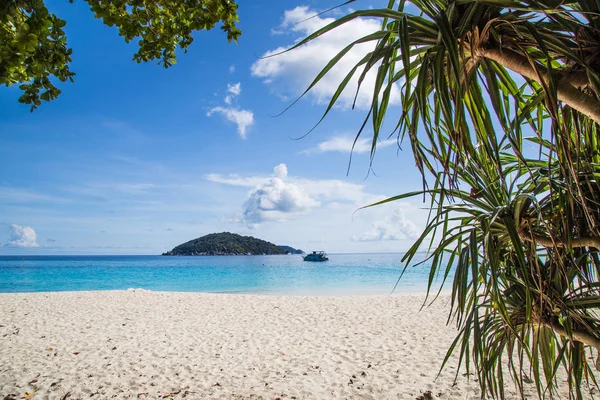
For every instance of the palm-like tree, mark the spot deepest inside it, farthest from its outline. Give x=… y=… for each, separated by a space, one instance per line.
x=501 y=106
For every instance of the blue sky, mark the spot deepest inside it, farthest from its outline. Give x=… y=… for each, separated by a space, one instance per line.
x=135 y=159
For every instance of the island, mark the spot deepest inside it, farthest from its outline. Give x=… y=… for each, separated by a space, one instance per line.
x=290 y=250
x=228 y=244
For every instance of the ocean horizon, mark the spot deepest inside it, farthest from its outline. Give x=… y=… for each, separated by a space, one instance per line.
x=343 y=274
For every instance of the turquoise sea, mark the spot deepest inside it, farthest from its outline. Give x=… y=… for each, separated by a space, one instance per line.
x=343 y=274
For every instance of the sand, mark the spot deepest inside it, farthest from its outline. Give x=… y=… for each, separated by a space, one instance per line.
x=149 y=345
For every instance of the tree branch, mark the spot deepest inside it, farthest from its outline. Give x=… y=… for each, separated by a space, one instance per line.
x=549 y=242
x=569 y=94
x=578 y=336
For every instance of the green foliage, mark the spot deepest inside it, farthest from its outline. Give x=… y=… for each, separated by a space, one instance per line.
x=511 y=166
x=163 y=25
x=33 y=45
x=225 y=243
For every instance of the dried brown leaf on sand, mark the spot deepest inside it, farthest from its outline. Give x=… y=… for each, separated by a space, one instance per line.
x=425 y=396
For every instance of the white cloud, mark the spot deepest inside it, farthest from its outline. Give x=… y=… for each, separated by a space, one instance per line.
x=281 y=171
x=231 y=69
x=394 y=227
x=236 y=180
x=346 y=144
x=324 y=190
x=234 y=88
x=337 y=190
x=22 y=236
x=277 y=200
x=294 y=71
x=242 y=118
x=282 y=197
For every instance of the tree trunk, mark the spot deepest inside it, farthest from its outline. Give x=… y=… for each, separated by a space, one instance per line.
x=570 y=95
x=582 y=337
x=549 y=242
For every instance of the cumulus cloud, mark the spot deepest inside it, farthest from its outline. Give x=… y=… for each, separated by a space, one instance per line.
x=346 y=144
x=22 y=236
x=242 y=118
x=294 y=71
x=394 y=227
x=280 y=171
x=234 y=88
x=276 y=200
x=323 y=189
x=283 y=197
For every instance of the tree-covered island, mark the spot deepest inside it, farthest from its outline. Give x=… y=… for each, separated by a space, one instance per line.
x=227 y=244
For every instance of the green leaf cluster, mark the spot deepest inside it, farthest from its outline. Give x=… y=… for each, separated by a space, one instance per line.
x=501 y=108
x=164 y=25
x=33 y=50
x=33 y=45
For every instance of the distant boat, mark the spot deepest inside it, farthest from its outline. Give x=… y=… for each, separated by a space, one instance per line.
x=316 y=256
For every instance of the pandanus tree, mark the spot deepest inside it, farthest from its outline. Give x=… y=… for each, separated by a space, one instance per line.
x=500 y=103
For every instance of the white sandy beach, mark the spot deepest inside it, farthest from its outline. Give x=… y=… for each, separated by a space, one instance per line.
x=139 y=344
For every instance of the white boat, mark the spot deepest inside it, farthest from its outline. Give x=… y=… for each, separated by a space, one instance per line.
x=316 y=256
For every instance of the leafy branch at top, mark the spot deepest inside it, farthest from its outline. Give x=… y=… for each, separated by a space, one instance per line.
x=33 y=44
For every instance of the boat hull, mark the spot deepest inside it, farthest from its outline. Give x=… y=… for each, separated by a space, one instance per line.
x=315 y=259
